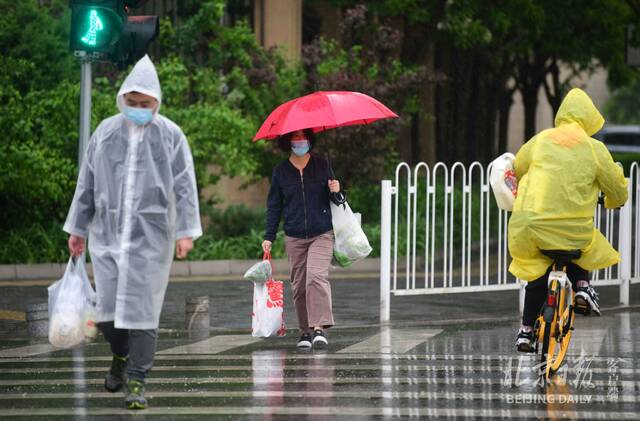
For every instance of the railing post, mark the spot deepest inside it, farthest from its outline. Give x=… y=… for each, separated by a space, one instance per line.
x=624 y=234
x=385 y=251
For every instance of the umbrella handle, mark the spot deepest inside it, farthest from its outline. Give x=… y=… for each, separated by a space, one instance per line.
x=331 y=173
x=339 y=198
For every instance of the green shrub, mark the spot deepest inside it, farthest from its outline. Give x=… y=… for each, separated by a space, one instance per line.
x=247 y=246
x=218 y=85
x=33 y=244
x=623 y=107
x=234 y=221
x=34 y=40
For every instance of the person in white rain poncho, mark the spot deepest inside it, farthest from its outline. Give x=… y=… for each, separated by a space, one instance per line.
x=136 y=194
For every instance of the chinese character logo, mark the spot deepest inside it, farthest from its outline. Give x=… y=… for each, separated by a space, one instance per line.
x=275 y=290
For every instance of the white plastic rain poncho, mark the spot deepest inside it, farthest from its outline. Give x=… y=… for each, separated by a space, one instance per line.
x=136 y=194
x=560 y=173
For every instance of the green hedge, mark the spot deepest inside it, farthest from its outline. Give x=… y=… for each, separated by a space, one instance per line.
x=237 y=232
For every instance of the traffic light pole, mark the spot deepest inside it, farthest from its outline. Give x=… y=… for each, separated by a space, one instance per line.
x=85 y=107
x=85 y=111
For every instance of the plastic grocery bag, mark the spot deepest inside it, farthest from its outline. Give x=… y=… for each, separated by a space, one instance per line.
x=503 y=181
x=351 y=243
x=261 y=271
x=72 y=314
x=267 y=318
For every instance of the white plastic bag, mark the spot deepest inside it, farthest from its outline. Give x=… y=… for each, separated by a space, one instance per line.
x=72 y=315
x=268 y=309
x=503 y=181
x=260 y=272
x=351 y=243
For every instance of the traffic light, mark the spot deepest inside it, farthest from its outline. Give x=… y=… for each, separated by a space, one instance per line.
x=137 y=34
x=103 y=31
x=96 y=26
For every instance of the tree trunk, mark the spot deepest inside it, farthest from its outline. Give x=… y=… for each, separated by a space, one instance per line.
x=504 y=107
x=477 y=110
x=554 y=90
x=462 y=87
x=426 y=121
x=530 y=76
x=444 y=112
x=488 y=150
x=530 y=102
x=474 y=110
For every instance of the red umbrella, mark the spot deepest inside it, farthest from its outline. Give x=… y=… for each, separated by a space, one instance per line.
x=321 y=111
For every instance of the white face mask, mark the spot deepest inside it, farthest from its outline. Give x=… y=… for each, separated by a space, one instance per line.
x=139 y=116
x=300 y=147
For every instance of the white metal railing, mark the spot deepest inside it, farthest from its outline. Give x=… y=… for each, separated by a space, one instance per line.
x=443 y=224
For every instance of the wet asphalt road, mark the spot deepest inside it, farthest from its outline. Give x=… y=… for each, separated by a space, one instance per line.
x=462 y=371
x=429 y=363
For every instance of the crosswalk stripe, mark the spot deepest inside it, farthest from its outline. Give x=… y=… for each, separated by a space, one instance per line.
x=340 y=356
x=268 y=379
x=26 y=351
x=500 y=369
x=213 y=345
x=330 y=411
x=393 y=395
x=392 y=341
x=588 y=341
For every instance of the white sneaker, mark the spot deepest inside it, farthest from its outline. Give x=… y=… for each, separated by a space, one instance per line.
x=319 y=340
x=305 y=340
x=524 y=341
x=587 y=299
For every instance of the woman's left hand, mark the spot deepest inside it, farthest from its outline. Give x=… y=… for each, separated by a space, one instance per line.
x=334 y=186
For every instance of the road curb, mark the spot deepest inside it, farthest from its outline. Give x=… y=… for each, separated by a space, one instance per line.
x=179 y=270
x=430 y=323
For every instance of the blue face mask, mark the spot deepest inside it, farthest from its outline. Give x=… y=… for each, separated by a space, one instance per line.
x=300 y=147
x=139 y=116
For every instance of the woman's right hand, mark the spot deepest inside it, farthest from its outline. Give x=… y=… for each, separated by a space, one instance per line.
x=266 y=246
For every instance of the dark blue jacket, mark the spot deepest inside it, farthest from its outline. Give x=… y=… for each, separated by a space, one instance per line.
x=304 y=200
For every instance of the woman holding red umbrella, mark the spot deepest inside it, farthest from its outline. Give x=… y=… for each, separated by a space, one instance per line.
x=301 y=187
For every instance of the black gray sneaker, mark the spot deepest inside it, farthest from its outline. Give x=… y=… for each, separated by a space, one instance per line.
x=587 y=301
x=305 y=340
x=524 y=342
x=115 y=378
x=319 y=340
x=135 y=395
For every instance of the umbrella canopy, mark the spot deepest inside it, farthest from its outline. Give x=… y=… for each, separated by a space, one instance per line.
x=321 y=111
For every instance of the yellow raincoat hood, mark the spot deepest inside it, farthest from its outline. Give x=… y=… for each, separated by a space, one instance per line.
x=577 y=107
x=560 y=174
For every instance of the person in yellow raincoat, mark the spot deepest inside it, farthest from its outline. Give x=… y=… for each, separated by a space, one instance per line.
x=561 y=172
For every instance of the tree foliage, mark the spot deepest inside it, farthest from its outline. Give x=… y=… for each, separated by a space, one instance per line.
x=218 y=84
x=364 y=60
x=624 y=105
x=485 y=50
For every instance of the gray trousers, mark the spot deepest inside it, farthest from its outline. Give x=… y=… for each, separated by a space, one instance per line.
x=138 y=345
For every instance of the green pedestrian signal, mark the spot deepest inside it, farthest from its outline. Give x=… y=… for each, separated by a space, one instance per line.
x=102 y=31
x=95 y=25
